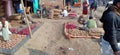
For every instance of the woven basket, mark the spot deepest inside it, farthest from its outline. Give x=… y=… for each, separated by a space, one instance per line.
x=56 y=11
x=79 y=33
x=96 y=31
x=15 y=17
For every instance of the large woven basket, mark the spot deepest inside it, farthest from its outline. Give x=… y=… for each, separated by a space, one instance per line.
x=83 y=34
x=15 y=17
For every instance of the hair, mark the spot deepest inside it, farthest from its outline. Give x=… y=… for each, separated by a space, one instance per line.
x=57 y=7
x=2 y=17
x=115 y=2
x=90 y=17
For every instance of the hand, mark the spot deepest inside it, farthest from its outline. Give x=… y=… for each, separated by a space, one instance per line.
x=116 y=53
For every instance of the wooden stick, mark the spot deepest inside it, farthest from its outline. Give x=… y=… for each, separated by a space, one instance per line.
x=40 y=8
x=26 y=18
x=64 y=3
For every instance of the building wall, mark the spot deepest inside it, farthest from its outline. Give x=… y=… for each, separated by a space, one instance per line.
x=5 y=8
x=2 y=8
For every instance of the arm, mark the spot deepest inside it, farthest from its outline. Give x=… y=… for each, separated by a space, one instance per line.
x=103 y=17
x=110 y=28
x=95 y=24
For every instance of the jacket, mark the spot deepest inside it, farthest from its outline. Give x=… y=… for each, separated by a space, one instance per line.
x=111 y=26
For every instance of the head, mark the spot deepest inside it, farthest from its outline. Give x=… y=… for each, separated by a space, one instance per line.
x=57 y=7
x=90 y=17
x=94 y=0
x=2 y=19
x=116 y=3
x=68 y=3
x=62 y=9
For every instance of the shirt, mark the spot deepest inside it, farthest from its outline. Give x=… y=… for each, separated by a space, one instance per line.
x=65 y=13
x=91 y=23
x=6 y=26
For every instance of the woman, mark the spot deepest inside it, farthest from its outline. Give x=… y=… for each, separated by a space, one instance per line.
x=85 y=8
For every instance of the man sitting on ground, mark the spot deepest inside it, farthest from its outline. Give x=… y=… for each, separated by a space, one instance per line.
x=91 y=23
x=4 y=29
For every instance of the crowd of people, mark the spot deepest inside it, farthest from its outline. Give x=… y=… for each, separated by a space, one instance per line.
x=66 y=11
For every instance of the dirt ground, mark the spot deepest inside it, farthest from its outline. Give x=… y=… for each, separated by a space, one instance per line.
x=49 y=39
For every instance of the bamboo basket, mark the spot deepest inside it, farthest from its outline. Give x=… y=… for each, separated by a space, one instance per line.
x=15 y=17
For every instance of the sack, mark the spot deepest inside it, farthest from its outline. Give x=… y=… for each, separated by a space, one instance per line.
x=5 y=34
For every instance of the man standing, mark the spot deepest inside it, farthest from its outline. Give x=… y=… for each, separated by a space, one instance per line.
x=110 y=43
x=93 y=8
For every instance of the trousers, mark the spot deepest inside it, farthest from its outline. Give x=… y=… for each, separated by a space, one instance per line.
x=106 y=47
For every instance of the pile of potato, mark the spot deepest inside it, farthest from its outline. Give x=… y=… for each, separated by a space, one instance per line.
x=56 y=13
x=14 y=40
x=90 y=32
x=96 y=31
x=77 y=32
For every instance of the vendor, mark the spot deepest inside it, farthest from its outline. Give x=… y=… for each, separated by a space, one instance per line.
x=91 y=23
x=4 y=25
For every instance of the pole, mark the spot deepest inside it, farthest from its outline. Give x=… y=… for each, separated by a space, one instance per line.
x=41 y=8
x=64 y=3
x=26 y=18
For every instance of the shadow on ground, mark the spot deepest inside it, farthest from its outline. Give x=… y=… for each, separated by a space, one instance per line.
x=37 y=52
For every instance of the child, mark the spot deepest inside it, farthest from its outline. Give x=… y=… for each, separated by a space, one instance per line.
x=91 y=23
x=64 y=12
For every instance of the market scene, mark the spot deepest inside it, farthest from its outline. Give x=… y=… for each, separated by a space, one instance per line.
x=59 y=27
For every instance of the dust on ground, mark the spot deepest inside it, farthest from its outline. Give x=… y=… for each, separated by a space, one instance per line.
x=49 y=39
